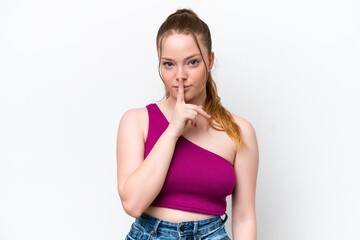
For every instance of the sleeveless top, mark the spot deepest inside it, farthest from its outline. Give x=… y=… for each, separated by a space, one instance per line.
x=198 y=180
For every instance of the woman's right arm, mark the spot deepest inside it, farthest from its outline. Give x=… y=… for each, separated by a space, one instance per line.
x=139 y=180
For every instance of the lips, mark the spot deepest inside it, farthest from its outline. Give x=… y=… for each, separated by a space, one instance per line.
x=184 y=86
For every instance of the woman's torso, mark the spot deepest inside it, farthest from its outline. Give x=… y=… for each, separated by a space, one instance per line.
x=215 y=141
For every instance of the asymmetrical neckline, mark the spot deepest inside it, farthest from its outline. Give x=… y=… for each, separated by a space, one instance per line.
x=204 y=149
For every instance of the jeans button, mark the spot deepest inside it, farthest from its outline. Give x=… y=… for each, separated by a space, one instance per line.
x=182 y=228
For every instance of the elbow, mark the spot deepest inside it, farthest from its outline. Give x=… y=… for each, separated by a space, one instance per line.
x=132 y=210
x=130 y=207
x=134 y=214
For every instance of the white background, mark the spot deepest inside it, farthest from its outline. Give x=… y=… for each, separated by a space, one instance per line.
x=70 y=69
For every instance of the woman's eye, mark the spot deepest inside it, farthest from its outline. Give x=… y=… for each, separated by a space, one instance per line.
x=193 y=62
x=167 y=64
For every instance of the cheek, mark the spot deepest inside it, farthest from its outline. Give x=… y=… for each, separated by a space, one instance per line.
x=198 y=74
x=167 y=78
x=166 y=73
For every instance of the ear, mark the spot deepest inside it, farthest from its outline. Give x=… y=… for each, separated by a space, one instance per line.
x=211 y=60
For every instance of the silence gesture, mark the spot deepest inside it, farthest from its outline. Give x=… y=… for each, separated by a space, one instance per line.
x=184 y=113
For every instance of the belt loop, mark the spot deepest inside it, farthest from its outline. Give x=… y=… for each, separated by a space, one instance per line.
x=226 y=217
x=156 y=225
x=195 y=226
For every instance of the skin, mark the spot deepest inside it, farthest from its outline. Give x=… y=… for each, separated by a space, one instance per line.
x=139 y=180
x=181 y=65
x=175 y=66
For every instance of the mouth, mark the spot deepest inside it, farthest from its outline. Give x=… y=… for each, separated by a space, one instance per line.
x=184 y=86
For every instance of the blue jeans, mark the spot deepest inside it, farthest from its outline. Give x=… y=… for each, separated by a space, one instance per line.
x=147 y=227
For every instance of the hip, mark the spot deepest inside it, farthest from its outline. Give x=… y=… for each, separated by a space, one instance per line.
x=147 y=227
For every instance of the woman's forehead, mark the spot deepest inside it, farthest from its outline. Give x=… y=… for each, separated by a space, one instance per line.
x=180 y=45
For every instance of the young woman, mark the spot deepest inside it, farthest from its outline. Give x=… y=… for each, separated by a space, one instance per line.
x=179 y=159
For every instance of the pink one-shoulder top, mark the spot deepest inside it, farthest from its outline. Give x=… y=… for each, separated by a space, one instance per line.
x=198 y=180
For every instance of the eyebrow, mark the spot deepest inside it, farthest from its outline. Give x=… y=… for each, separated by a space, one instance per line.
x=185 y=58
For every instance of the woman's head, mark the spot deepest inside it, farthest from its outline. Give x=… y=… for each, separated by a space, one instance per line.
x=182 y=59
x=184 y=33
x=181 y=35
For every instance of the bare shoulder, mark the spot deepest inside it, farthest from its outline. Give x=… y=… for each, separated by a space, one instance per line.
x=247 y=129
x=243 y=123
x=135 y=114
x=135 y=118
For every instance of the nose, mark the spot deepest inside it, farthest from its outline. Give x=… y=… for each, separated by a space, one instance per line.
x=181 y=73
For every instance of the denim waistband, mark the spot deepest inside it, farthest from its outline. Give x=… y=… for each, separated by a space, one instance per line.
x=181 y=228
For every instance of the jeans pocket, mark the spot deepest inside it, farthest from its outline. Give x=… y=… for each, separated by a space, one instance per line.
x=135 y=233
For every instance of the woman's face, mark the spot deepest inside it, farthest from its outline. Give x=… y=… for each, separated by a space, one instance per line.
x=181 y=59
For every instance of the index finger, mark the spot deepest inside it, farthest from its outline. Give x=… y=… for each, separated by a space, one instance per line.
x=180 y=95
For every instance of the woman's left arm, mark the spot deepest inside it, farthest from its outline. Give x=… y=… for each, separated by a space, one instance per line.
x=243 y=197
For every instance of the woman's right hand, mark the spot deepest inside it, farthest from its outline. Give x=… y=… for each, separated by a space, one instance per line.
x=184 y=113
